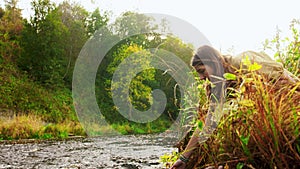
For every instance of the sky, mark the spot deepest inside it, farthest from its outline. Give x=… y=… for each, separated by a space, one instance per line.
x=229 y=25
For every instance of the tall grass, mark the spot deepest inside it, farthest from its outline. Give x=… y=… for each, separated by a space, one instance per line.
x=261 y=129
x=32 y=126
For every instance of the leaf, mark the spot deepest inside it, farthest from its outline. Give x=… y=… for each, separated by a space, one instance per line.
x=229 y=76
x=247 y=103
x=243 y=89
x=246 y=61
x=248 y=80
x=245 y=139
x=200 y=125
x=239 y=165
x=254 y=67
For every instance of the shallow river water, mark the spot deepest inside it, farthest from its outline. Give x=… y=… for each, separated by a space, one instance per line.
x=115 y=152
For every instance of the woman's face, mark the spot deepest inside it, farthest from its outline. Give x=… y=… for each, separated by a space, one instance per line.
x=204 y=71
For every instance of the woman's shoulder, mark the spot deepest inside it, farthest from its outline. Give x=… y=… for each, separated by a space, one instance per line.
x=255 y=56
x=258 y=57
x=269 y=66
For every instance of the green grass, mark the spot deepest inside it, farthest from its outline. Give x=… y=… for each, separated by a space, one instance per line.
x=137 y=128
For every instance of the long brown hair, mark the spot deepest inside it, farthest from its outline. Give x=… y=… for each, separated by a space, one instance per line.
x=208 y=56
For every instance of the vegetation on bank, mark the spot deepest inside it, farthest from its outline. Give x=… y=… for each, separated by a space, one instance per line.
x=37 y=59
x=30 y=126
x=35 y=70
x=38 y=55
x=261 y=130
x=29 y=110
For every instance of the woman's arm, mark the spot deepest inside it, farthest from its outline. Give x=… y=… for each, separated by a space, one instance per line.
x=191 y=146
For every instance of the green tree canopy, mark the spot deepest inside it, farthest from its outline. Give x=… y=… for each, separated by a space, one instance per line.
x=43 y=44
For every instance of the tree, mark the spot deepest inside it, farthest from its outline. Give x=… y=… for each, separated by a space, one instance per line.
x=96 y=21
x=43 y=44
x=1 y=12
x=139 y=90
x=144 y=83
x=11 y=26
x=11 y=20
x=115 y=56
x=178 y=47
x=131 y=23
x=73 y=16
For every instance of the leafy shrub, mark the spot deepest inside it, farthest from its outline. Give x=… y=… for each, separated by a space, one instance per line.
x=287 y=49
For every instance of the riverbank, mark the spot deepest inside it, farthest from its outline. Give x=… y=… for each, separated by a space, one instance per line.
x=37 y=141
x=33 y=127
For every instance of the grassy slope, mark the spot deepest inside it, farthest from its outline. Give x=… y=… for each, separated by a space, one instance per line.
x=28 y=110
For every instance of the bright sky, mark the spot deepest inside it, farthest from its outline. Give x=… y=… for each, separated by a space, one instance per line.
x=241 y=24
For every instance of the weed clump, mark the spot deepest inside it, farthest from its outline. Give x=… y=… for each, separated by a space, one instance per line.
x=260 y=130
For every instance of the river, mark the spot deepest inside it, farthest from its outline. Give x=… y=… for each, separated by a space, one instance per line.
x=114 y=152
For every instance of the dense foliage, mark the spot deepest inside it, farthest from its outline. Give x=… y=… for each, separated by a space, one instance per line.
x=38 y=56
x=37 y=59
x=261 y=127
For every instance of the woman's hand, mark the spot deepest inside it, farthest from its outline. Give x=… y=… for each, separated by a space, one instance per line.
x=178 y=165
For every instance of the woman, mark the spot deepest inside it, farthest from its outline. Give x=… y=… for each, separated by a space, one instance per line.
x=211 y=65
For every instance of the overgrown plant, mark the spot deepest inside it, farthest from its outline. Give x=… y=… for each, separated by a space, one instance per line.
x=195 y=96
x=32 y=126
x=263 y=130
x=287 y=49
x=260 y=129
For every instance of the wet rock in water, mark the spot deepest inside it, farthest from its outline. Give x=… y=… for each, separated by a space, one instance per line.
x=130 y=166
